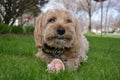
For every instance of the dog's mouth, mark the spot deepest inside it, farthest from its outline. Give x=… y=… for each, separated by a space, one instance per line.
x=60 y=41
x=66 y=38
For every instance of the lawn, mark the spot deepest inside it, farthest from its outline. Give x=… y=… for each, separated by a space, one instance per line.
x=18 y=61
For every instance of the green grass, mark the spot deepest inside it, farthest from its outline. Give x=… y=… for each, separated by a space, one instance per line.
x=18 y=61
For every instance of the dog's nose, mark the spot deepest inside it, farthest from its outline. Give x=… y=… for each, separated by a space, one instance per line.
x=60 y=30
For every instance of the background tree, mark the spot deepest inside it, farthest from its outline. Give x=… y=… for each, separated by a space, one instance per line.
x=90 y=7
x=11 y=9
x=106 y=15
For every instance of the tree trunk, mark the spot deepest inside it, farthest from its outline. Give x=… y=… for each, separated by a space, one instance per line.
x=89 y=26
x=89 y=13
x=106 y=20
x=21 y=20
x=6 y=20
x=13 y=21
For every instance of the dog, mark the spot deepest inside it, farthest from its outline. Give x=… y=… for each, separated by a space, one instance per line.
x=60 y=41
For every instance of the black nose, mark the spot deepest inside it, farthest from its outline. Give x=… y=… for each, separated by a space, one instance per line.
x=60 y=31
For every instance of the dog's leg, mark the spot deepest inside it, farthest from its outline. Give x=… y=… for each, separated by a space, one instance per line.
x=73 y=63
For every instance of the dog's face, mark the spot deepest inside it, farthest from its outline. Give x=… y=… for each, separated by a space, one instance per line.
x=57 y=27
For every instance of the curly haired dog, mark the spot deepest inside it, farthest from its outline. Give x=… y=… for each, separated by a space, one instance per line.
x=60 y=42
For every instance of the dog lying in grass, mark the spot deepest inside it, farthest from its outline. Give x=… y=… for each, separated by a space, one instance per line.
x=60 y=42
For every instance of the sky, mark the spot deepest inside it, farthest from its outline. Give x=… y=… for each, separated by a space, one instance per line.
x=112 y=12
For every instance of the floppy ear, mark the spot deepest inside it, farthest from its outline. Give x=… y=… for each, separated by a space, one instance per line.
x=77 y=30
x=38 y=32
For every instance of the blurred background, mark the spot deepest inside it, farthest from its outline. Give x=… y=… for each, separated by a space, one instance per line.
x=95 y=16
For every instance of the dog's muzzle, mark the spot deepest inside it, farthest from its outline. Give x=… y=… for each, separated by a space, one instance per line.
x=60 y=31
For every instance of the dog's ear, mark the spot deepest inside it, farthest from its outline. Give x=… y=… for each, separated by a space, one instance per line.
x=38 y=32
x=78 y=31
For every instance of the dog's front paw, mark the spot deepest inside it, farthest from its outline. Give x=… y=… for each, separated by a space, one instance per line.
x=56 y=65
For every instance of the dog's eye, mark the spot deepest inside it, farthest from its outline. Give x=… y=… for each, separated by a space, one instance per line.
x=51 y=20
x=69 y=21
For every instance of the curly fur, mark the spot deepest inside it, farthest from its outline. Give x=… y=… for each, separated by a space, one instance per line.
x=45 y=32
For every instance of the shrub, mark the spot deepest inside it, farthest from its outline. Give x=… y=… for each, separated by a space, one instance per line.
x=16 y=29
x=28 y=29
x=4 y=28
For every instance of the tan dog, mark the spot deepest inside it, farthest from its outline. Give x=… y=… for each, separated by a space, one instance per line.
x=59 y=40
